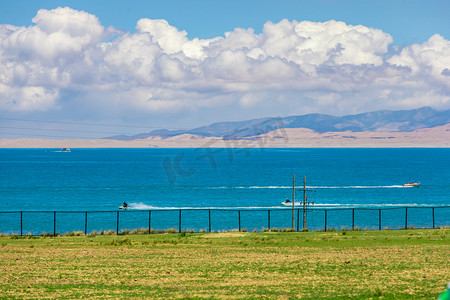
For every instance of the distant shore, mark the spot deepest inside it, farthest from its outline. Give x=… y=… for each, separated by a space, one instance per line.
x=436 y=137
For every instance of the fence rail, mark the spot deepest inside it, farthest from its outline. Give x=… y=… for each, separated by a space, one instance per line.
x=60 y=222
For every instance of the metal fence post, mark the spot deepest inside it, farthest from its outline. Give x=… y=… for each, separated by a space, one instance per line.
x=149 y=221
x=179 y=221
x=239 y=216
x=21 y=223
x=433 y=216
x=379 y=219
x=298 y=219
x=209 y=220
x=117 y=229
x=406 y=217
x=353 y=218
x=326 y=220
x=85 y=223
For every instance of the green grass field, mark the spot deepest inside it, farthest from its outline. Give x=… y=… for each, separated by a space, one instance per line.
x=402 y=264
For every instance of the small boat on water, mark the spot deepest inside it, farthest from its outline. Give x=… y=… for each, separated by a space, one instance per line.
x=289 y=203
x=65 y=150
x=124 y=206
x=412 y=184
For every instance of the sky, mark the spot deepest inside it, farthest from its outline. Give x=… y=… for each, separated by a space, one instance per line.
x=98 y=68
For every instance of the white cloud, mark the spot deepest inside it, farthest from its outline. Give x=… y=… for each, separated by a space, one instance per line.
x=30 y=98
x=309 y=43
x=430 y=97
x=132 y=58
x=328 y=67
x=37 y=60
x=430 y=58
x=59 y=37
x=249 y=100
x=228 y=65
x=238 y=39
x=171 y=40
x=166 y=36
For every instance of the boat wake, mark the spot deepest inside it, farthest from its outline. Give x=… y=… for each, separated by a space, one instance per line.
x=142 y=206
x=313 y=187
x=359 y=187
x=374 y=205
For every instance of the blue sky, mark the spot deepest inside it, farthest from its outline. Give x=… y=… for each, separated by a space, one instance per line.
x=181 y=64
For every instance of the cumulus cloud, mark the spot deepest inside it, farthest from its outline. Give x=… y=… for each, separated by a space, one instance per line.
x=58 y=36
x=37 y=61
x=329 y=67
x=310 y=44
x=431 y=58
x=171 y=40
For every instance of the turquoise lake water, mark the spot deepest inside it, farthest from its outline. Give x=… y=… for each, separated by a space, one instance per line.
x=208 y=178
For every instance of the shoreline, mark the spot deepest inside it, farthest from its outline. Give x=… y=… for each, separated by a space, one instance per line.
x=436 y=137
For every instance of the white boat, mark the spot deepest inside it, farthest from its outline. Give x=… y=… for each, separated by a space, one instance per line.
x=289 y=203
x=412 y=184
x=65 y=150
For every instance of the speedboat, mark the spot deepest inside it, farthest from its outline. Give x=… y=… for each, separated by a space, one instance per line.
x=65 y=150
x=412 y=184
x=289 y=203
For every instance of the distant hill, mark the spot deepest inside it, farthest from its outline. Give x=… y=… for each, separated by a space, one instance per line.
x=381 y=121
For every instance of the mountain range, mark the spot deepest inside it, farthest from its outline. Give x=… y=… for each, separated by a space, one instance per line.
x=377 y=121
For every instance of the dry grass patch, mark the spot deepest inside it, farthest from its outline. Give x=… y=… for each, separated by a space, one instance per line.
x=391 y=265
x=226 y=234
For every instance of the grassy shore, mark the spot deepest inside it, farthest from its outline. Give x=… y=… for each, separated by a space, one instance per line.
x=403 y=264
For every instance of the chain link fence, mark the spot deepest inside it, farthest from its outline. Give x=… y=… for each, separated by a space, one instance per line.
x=216 y=220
